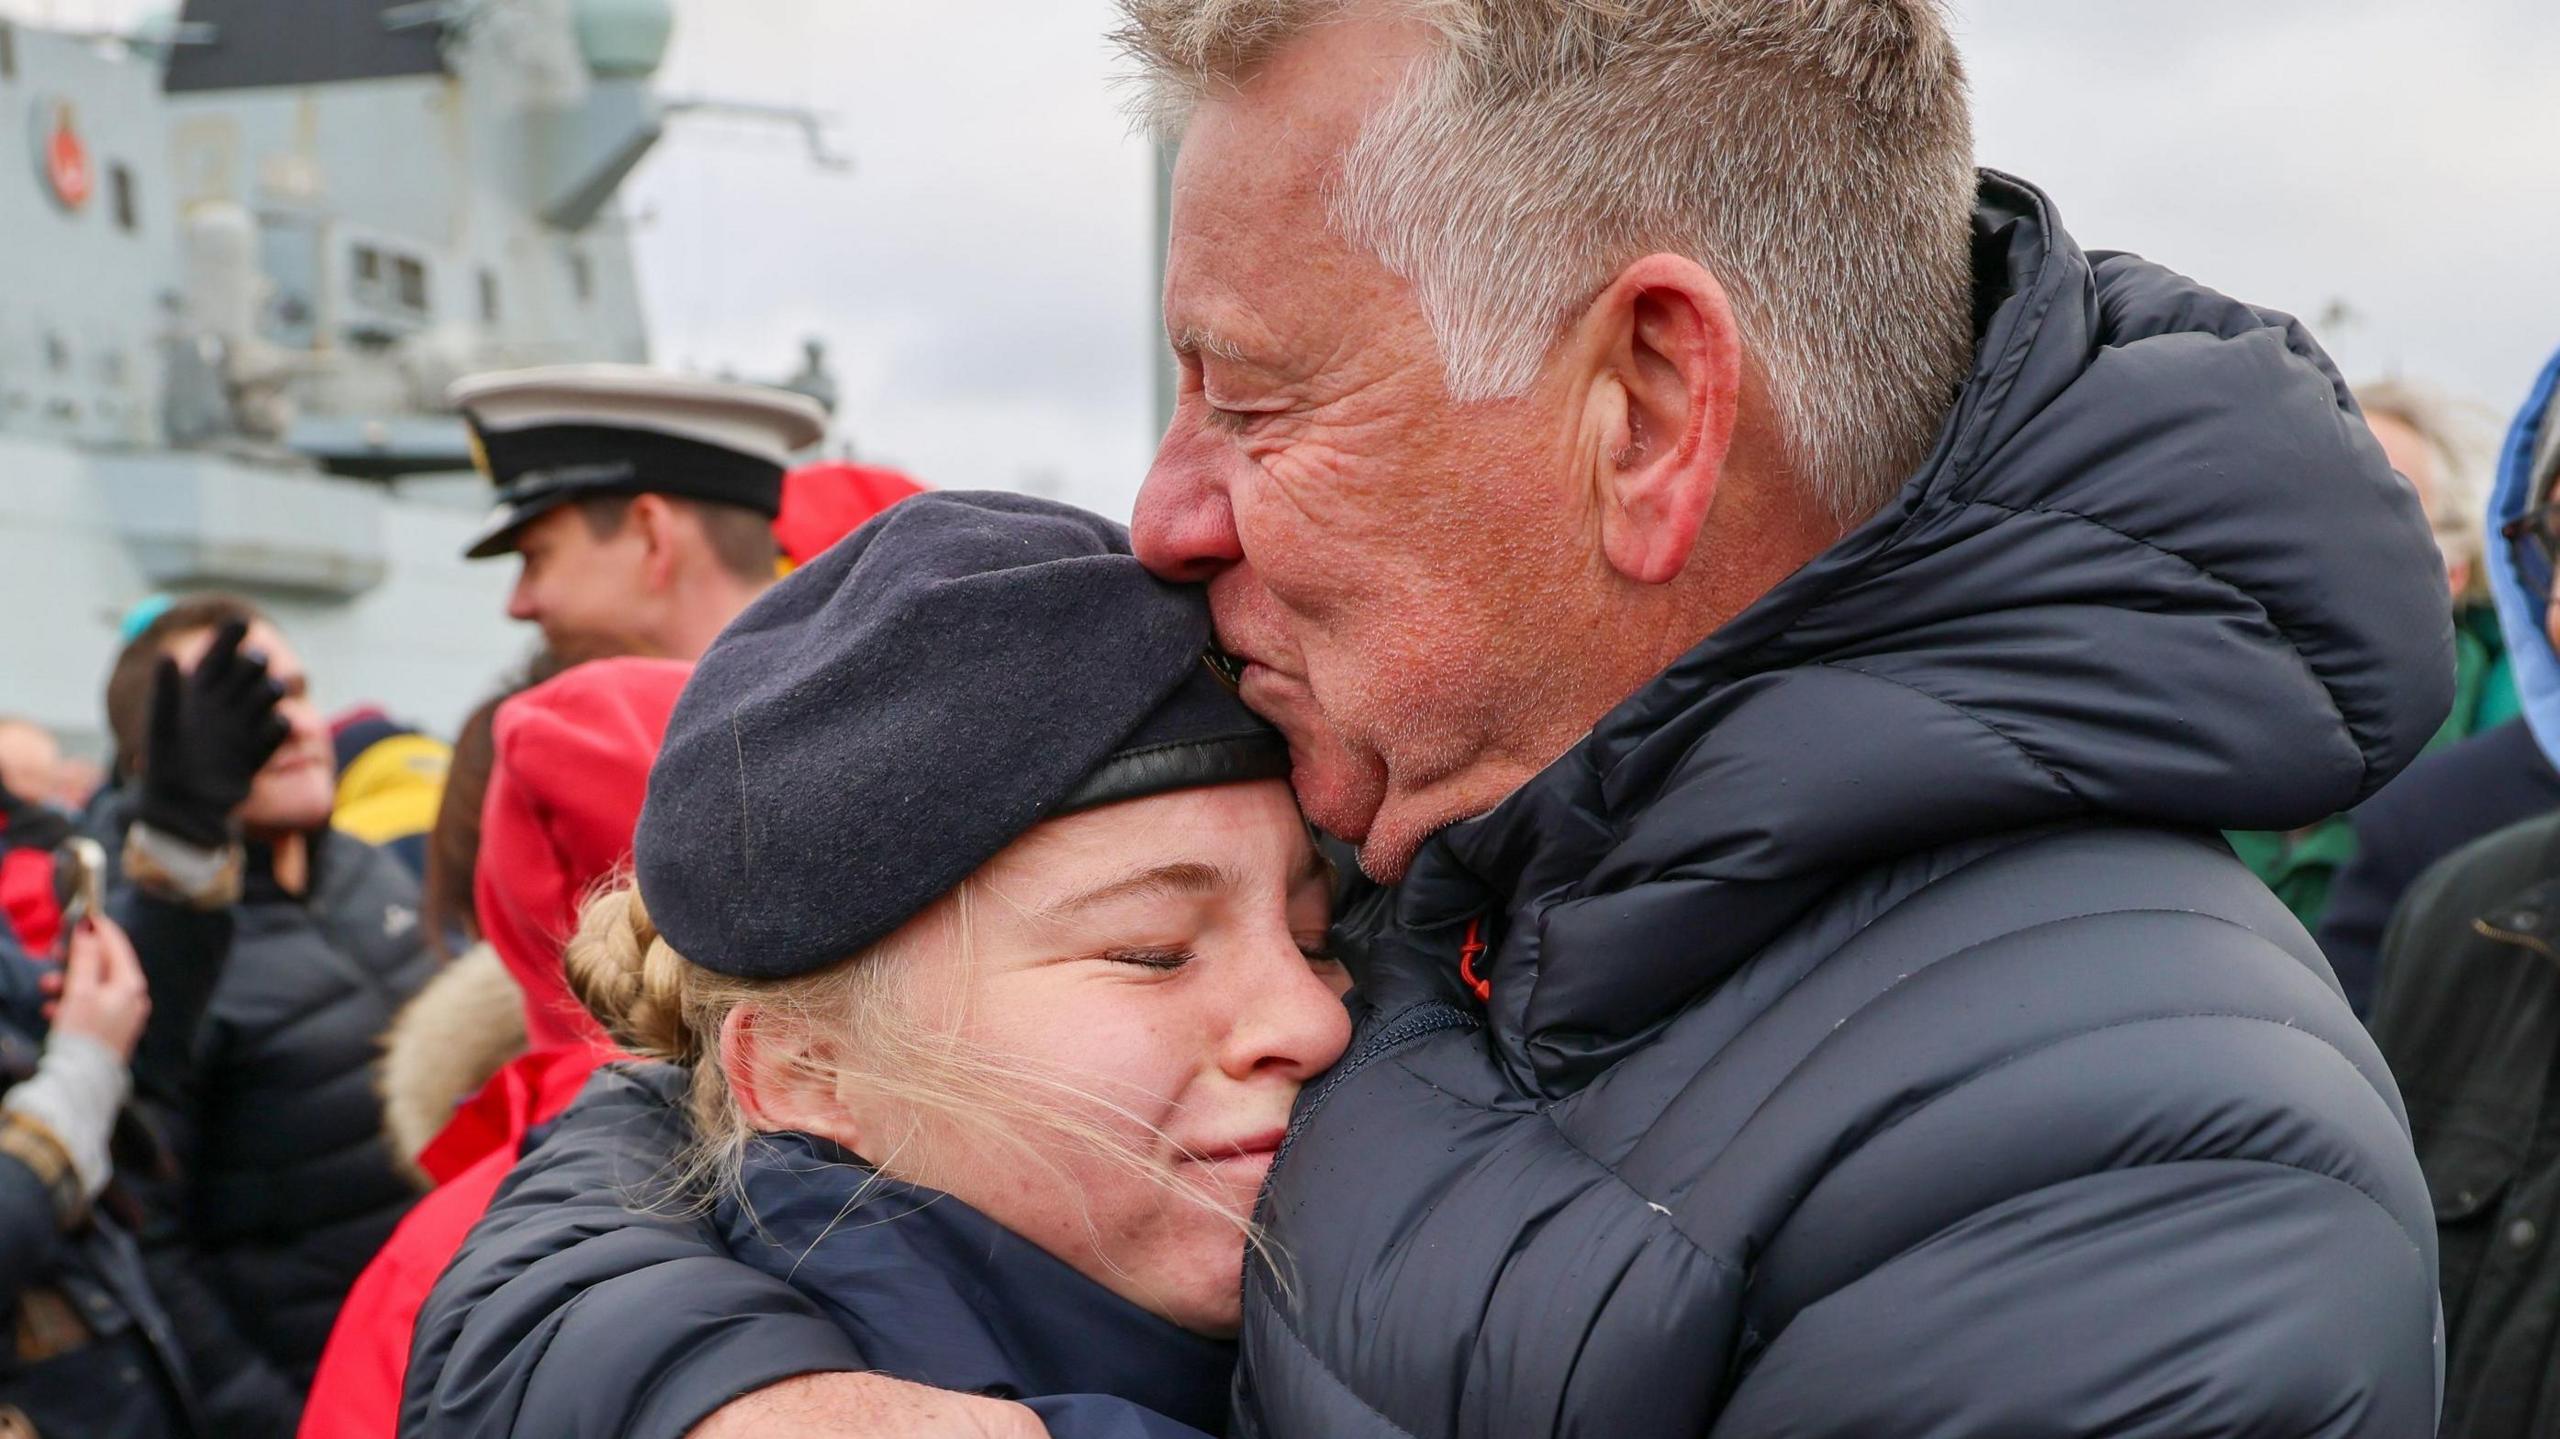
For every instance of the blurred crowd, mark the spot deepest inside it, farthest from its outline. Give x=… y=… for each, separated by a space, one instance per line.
x=280 y=988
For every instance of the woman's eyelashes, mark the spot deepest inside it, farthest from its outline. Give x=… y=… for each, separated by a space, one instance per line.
x=1168 y=958
x=1161 y=960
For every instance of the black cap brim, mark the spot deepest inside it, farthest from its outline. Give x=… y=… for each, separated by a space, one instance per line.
x=498 y=536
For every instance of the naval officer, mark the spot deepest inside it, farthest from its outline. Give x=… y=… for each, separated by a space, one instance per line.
x=639 y=504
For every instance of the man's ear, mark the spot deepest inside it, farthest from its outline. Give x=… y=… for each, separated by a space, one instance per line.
x=1663 y=361
x=658 y=524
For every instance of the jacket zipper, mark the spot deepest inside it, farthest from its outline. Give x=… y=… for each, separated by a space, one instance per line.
x=2539 y=946
x=1415 y=1022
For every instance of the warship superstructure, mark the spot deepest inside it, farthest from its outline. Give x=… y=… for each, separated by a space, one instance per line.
x=243 y=251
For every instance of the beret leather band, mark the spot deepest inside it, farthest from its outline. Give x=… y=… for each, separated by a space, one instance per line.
x=1181 y=764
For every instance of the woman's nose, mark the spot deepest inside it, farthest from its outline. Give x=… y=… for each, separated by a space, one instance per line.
x=1288 y=1020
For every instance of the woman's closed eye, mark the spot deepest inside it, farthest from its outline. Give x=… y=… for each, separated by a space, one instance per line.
x=1163 y=960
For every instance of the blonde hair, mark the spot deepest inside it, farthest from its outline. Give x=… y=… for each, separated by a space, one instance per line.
x=859 y=1030
x=2464 y=441
x=1816 y=155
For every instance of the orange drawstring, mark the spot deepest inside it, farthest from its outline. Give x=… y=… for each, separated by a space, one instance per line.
x=1468 y=953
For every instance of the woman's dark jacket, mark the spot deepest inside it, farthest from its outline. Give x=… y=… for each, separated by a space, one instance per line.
x=285 y=1186
x=2469 y=1016
x=1877 y=1038
x=933 y=1292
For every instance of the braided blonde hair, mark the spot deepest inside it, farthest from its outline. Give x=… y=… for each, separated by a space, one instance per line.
x=659 y=1005
x=610 y=972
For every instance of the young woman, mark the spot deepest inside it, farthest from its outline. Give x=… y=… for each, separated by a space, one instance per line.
x=980 y=913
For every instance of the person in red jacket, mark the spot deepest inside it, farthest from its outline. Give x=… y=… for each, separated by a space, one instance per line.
x=573 y=757
x=825 y=501
x=30 y=832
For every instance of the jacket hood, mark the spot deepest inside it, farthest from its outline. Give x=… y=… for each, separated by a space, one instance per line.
x=573 y=757
x=2526 y=458
x=443 y=1046
x=2156 y=571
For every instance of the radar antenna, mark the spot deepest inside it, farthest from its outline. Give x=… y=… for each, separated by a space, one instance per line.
x=813 y=125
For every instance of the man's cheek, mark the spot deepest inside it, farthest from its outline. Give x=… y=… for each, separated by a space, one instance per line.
x=1312 y=489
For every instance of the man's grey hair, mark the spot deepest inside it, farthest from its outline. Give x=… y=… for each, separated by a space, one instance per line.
x=1815 y=155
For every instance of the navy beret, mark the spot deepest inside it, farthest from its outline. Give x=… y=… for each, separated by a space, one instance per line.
x=892 y=714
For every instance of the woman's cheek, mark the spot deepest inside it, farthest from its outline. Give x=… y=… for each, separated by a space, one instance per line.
x=1106 y=1036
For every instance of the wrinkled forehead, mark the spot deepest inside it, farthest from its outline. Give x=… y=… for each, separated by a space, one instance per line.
x=1248 y=220
x=1305 y=102
x=1256 y=170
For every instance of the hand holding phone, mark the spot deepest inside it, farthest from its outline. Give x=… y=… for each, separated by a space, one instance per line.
x=79 y=883
x=100 y=990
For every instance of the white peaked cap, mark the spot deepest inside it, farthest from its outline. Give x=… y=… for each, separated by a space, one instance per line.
x=756 y=420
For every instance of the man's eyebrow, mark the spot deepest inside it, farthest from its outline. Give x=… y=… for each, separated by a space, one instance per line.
x=1193 y=340
x=1185 y=876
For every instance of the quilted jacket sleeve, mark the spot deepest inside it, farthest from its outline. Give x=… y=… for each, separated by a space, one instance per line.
x=2148 y=1303
x=2177 y=1201
x=579 y=1309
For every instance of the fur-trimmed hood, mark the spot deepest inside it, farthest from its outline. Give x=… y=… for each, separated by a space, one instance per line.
x=445 y=1044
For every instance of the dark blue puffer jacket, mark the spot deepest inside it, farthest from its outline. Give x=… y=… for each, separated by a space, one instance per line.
x=1878 y=1040
x=1877 y=1043
x=284 y=1186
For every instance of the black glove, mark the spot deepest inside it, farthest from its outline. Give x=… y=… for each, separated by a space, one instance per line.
x=212 y=730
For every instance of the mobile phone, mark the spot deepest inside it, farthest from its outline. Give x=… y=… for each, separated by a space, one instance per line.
x=79 y=883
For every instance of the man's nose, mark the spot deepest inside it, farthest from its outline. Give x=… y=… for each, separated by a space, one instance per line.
x=520 y=604
x=303 y=718
x=1183 y=528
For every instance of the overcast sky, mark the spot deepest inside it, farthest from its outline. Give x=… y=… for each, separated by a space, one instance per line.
x=983 y=275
